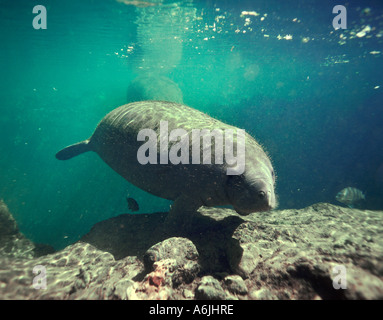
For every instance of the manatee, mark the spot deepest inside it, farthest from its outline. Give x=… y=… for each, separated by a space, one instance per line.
x=154 y=87
x=189 y=185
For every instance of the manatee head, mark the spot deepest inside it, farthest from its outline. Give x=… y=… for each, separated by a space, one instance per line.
x=253 y=190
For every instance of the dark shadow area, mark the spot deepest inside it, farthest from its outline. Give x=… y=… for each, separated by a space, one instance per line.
x=133 y=234
x=42 y=249
x=127 y=234
x=321 y=284
x=214 y=242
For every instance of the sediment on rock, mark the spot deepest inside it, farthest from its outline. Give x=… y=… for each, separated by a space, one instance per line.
x=285 y=254
x=13 y=244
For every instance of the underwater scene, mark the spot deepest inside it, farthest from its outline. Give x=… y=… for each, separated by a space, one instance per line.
x=303 y=78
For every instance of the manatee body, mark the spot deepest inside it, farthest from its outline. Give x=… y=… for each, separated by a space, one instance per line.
x=188 y=185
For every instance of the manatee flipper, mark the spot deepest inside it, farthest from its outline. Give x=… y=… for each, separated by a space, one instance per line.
x=73 y=150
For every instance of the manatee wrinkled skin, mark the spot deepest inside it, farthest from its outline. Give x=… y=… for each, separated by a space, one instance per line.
x=188 y=185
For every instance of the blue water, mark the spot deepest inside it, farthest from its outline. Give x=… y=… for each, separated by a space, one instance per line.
x=310 y=94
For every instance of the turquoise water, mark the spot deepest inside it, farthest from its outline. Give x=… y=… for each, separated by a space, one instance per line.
x=310 y=94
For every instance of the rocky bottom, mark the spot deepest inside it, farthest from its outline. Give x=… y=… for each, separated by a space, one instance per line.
x=319 y=252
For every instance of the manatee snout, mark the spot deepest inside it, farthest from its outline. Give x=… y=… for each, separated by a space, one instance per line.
x=248 y=197
x=263 y=199
x=265 y=195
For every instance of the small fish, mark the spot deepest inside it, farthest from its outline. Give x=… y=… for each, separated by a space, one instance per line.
x=351 y=197
x=132 y=204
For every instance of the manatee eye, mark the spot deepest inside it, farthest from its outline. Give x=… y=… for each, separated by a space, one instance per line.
x=261 y=194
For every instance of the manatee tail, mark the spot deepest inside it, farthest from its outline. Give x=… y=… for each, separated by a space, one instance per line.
x=73 y=150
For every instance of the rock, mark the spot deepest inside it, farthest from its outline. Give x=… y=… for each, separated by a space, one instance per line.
x=8 y=224
x=249 y=259
x=235 y=284
x=157 y=285
x=285 y=254
x=262 y=294
x=80 y=271
x=182 y=251
x=188 y=294
x=209 y=289
x=293 y=253
x=13 y=244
